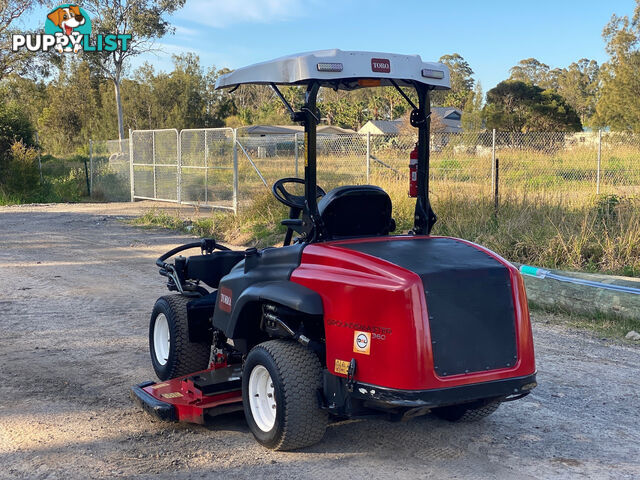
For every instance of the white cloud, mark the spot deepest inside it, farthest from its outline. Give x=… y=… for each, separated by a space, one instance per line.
x=223 y=13
x=184 y=31
x=161 y=57
x=161 y=49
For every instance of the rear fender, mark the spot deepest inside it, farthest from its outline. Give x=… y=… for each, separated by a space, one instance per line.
x=245 y=318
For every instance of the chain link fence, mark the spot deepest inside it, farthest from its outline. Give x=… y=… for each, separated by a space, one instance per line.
x=207 y=172
x=109 y=170
x=227 y=168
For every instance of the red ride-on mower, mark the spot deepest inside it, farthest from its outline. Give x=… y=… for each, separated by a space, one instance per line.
x=347 y=320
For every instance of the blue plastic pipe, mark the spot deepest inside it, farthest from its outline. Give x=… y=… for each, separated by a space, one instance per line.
x=541 y=273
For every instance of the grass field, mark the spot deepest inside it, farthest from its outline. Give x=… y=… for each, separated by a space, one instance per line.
x=597 y=233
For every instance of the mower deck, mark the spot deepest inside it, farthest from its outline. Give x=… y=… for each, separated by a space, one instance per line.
x=187 y=399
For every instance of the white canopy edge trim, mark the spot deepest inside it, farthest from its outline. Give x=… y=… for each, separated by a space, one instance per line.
x=302 y=68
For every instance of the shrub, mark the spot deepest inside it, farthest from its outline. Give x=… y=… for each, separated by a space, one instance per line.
x=14 y=126
x=20 y=177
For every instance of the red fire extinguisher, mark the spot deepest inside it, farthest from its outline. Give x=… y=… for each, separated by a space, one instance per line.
x=413 y=172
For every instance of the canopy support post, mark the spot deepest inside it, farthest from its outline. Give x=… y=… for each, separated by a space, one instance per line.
x=310 y=122
x=424 y=217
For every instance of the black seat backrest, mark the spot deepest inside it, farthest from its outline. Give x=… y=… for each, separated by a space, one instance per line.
x=356 y=210
x=210 y=269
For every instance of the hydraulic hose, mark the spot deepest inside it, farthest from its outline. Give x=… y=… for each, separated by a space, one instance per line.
x=541 y=273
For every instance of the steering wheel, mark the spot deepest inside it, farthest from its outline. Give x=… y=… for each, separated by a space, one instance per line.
x=292 y=201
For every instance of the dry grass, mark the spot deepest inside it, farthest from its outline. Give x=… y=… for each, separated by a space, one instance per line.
x=548 y=216
x=597 y=233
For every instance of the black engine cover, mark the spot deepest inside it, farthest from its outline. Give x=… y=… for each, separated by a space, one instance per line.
x=469 y=301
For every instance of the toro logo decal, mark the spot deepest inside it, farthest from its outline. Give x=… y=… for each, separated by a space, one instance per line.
x=225 y=295
x=362 y=342
x=382 y=65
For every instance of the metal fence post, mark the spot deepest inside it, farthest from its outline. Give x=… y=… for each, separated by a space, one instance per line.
x=599 y=162
x=235 y=171
x=206 y=168
x=179 y=162
x=295 y=151
x=496 y=188
x=153 y=160
x=368 y=155
x=39 y=159
x=90 y=167
x=493 y=160
x=131 y=164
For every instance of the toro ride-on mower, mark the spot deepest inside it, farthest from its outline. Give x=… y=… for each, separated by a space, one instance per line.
x=347 y=320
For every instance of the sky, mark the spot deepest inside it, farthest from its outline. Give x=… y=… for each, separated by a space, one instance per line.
x=491 y=35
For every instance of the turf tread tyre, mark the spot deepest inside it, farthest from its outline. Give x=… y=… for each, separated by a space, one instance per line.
x=476 y=414
x=300 y=421
x=467 y=414
x=184 y=356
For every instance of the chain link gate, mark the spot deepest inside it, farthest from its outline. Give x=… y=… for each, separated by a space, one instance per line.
x=109 y=167
x=209 y=167
x=155 y=165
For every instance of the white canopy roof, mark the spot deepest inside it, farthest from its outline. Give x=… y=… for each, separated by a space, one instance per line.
x=341 y=69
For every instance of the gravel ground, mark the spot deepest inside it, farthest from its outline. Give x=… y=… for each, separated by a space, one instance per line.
x=77 y=289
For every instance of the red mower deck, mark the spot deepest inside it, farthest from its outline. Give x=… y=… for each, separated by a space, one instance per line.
x=188 y=399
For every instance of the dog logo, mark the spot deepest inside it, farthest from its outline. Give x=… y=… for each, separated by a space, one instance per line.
x=71 y=21
x=68 y=29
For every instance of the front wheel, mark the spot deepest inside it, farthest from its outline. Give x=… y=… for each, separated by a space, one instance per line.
x=172 y=354
x=280 y=383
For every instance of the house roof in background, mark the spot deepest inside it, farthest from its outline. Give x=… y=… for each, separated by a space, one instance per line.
x=386 y=126
x=450 y=117
x=292 y=129
x=444 y=112
x=394 y=127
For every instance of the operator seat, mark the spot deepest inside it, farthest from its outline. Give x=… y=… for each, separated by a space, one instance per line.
x=355 y=211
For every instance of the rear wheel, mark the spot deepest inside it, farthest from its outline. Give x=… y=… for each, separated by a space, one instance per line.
x=468 y=412
x=172 y=354
x=280 y=383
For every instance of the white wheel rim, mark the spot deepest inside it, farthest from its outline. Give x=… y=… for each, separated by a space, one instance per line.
x=262 y=399
x=161 y=339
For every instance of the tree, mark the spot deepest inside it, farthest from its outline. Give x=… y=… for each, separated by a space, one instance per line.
x=462 y=82
x=472 y=114
x=520 y=107
x=531 y=71
x=30 y=95
x=220 y=103
x=14 y=127
x=69 y=119
x=578 y=84
x=143 y=19
x=16 y=139
x=21 y=61
x=619 y=102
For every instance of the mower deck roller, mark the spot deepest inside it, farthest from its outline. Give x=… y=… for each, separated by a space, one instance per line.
x=346 y=319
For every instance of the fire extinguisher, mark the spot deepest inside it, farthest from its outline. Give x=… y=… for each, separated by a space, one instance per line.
x=413 y=172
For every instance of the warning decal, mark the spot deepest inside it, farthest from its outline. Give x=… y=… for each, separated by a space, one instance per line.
x=172 y=395
x=362 y=342
x=341 y=367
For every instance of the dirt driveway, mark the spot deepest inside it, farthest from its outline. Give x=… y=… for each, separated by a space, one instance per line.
x=77 y=286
